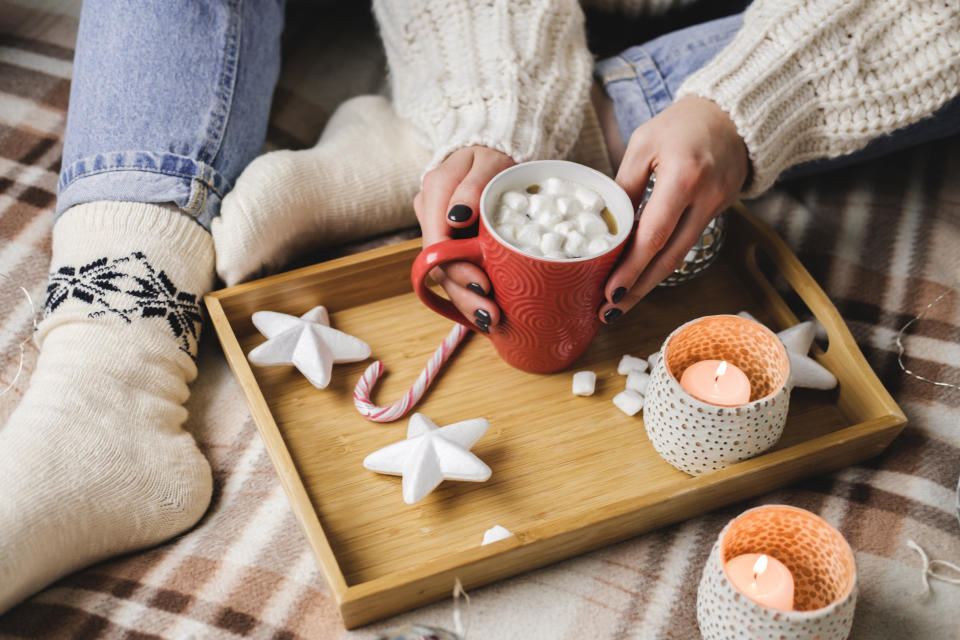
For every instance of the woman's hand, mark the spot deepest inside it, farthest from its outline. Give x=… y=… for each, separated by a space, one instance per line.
x=701 y=164
x=449 y=200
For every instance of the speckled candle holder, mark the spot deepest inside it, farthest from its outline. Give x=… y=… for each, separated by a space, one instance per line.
x=698 y=437
x=818 y=557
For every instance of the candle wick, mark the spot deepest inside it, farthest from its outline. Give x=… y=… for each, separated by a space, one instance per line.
x=722 y=369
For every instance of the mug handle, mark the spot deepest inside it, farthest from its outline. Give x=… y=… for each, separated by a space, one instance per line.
x=439 y=254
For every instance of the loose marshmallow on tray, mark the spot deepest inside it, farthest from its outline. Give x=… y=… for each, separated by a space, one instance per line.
x=638 y=381
x=584 y=383
x=561 y=220
x=628 y=363
x=630 y=402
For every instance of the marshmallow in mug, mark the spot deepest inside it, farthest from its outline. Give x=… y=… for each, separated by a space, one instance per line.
x=556 y=219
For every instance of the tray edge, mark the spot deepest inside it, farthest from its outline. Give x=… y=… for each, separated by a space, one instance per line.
x=276 y=448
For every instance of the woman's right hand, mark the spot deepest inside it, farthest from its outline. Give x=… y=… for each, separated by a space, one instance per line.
x=701 y=164
x=450 y=200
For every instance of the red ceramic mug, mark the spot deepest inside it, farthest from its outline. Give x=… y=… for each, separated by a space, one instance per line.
x=548 y=306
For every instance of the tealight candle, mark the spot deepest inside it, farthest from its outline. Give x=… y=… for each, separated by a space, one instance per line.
x=763 y=579
x=699 y=431
x=717 y=382
x=816 y=596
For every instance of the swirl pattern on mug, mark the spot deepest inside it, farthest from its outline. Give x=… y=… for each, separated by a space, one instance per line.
x=549 y=308
x=507 y=274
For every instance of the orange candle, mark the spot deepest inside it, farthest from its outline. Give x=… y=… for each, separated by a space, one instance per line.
x=717 y=382
x=763 y=579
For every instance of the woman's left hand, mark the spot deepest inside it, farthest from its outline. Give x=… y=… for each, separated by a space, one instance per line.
x=449 y=200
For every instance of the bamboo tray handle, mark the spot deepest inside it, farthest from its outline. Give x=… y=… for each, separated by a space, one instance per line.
x=842 y=356
x=800 y=280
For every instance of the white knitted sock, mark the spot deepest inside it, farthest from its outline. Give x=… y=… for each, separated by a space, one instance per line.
x=94 y=462
x=359 y=180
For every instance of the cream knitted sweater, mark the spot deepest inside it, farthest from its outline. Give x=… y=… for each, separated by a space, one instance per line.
x=513 y=76
x=803 y=79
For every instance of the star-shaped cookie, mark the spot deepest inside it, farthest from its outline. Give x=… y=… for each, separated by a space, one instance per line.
x=307 y=342
x=430 y=454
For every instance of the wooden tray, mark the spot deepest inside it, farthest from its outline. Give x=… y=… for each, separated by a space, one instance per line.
x=570 y=474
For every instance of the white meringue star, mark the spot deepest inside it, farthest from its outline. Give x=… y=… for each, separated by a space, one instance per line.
x=307 y=342
x=804 y=370
x=430 y=454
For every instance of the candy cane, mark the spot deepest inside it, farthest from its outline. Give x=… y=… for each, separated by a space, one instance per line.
x=361 y=393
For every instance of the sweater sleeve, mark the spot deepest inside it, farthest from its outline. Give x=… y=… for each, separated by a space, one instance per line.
x=810 y=79
x=513 y=75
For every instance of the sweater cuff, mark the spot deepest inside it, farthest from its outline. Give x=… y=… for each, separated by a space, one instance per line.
x=823 y=79
x=769 y=98
x=496 y=123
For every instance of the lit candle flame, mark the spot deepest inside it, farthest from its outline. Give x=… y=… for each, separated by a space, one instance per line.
x=759 y=567
x=721 y=369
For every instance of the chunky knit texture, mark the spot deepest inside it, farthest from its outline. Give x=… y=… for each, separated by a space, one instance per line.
x=803 y=79
x=511 y=76
x=94 y=462
x=810 y=79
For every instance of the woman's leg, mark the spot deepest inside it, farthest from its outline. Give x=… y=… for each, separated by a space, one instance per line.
x=641 y=82
x=358 y=181
x=169 y=101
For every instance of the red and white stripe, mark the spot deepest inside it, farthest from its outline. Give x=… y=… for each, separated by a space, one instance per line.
x=364 y=388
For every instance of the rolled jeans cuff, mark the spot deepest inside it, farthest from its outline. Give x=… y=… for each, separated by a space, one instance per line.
x=144 y=176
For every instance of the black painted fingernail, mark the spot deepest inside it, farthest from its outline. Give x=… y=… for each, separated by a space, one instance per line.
x=611 y=315
x=460 y=213
x=618 y=294
x=477 y=289
x=483 y=326
x=482 y=316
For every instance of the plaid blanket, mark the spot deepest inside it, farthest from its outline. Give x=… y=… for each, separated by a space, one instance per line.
x=883 y=239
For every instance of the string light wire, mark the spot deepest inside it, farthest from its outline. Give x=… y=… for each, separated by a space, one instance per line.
x=901 y=350
x=22 y=345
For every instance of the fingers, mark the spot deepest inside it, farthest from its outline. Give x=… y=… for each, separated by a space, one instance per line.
x=700 y=161
x=466 y=284
x=477 y=308
x=654 y=229
x=666 y=261
x=636 y=166
x=438 y=187
x=464 y=204
x=429 y=206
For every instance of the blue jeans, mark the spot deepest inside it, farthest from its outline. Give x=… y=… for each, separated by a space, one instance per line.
x=169 y=101
x=642 y=81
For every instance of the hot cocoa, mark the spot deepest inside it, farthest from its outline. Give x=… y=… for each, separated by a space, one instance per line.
x=557 y=219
